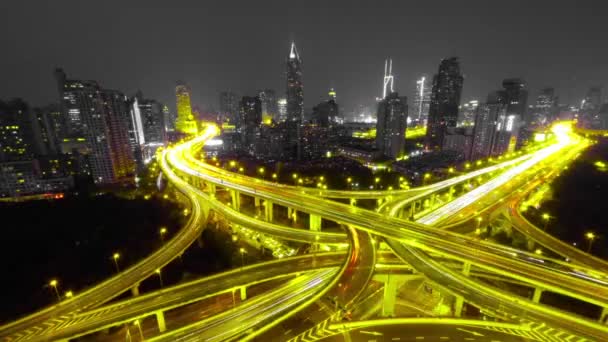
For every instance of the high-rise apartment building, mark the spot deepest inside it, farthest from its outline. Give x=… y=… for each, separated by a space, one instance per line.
x=250 y=120
x=185 y=122
x=391 y=125
x=467 y=112
x=282 y=109
x=295 y=89
x=445 y=99
x=18 y=136
x=484 y=133
x=545 y=108
x=515 y=96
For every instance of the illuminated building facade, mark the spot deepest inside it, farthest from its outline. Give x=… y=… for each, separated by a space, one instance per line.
x=295 y=89
x=391 y=125
x=282 y=109
x=467 y=112
x=445 y=99
x=18 y=138
x=485 y=129
x=185 y=122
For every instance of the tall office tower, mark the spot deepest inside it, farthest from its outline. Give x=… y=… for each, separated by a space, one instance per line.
x=185 y=122
x=445 y=99
x=74 y=96
x=545 y=107
x=169 y=119
x=326 y=113
x=507 y=130
x=422 y=100
x=269 y=104
x=18 y=133
x=229 y=106
x=467 y=113
x=282 y=109
x=484 y=133
x=152 y=119
x=295 y=89
x=250 y=120
x=52 y=125
x=516 y=97
x=391 y=125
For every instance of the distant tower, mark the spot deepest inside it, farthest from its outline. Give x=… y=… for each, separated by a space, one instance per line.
x=295 y=90
x=422 y=98
x=387 y=83
x=185 y=122
x=445 y=99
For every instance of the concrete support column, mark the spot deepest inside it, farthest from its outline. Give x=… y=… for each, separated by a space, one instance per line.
x=432 y=200
x=315 y=222
x=466 y=268
x=160 y=319
x=236 y=200
x=135 y=290
x=211 y=188
x=458 y=305
x=243 y=291
x=604 y=315
x=390 y=296
x=268 y=211
x=256 y=202
x=379 y=202
x=537 y=293
x=412 y=210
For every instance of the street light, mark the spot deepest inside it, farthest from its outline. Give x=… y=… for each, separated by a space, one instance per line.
x=115 y=257
x=69 y=294
x=590 y=236
x=163 y=231
x=242 y=251
x=141 y=333
x=479 y=219
x=160 y=277
x=546 y=218
x=53 y=283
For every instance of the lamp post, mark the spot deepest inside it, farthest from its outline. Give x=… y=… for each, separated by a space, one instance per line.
x=115 y=257
x=546 y=218
x=242 y=251
x=160 y=277
x=590 y=236
x=69 y=294
x=53 y=283
x=163 y=231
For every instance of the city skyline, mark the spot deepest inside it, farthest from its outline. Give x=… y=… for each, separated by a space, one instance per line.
x=334 y=60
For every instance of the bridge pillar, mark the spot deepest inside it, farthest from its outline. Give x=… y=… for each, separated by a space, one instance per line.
x=458 y=305
x=315 y=222
x=292 y=214
x=604 y=315
x=432 y=200
x=256 y=202
x=466 y=268
x=537 y=294
x=160 y=320
x=268 y=211
x=243 y=291
x=211 y=188
x=378 y=202
x=135 y=290
x=392 y=282
x=412 y=209
x=236 y=200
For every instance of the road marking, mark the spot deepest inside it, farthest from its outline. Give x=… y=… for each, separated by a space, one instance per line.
x=474 y=333
x=396 y=339
x=444 y=338
x=420 y=337
x=469 y=339
x=375 y=333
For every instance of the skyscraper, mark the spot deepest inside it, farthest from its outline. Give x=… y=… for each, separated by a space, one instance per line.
x=250 y=120
x=484 y=133
x=229 y=106
x=388 y=80
x=516 y=97
x=185 y=122
x=269 y=104
x=593 y=100
x=422 y=99
x=391 y=125
x=169 y=119
x=467 y=112
x=282 y=109
x=103 y=117
x=295 y=89
x=17 y=132
x=445 y=99
x=325 y=113
x=545 y=106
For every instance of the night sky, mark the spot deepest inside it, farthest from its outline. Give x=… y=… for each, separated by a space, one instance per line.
x=242 y=45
